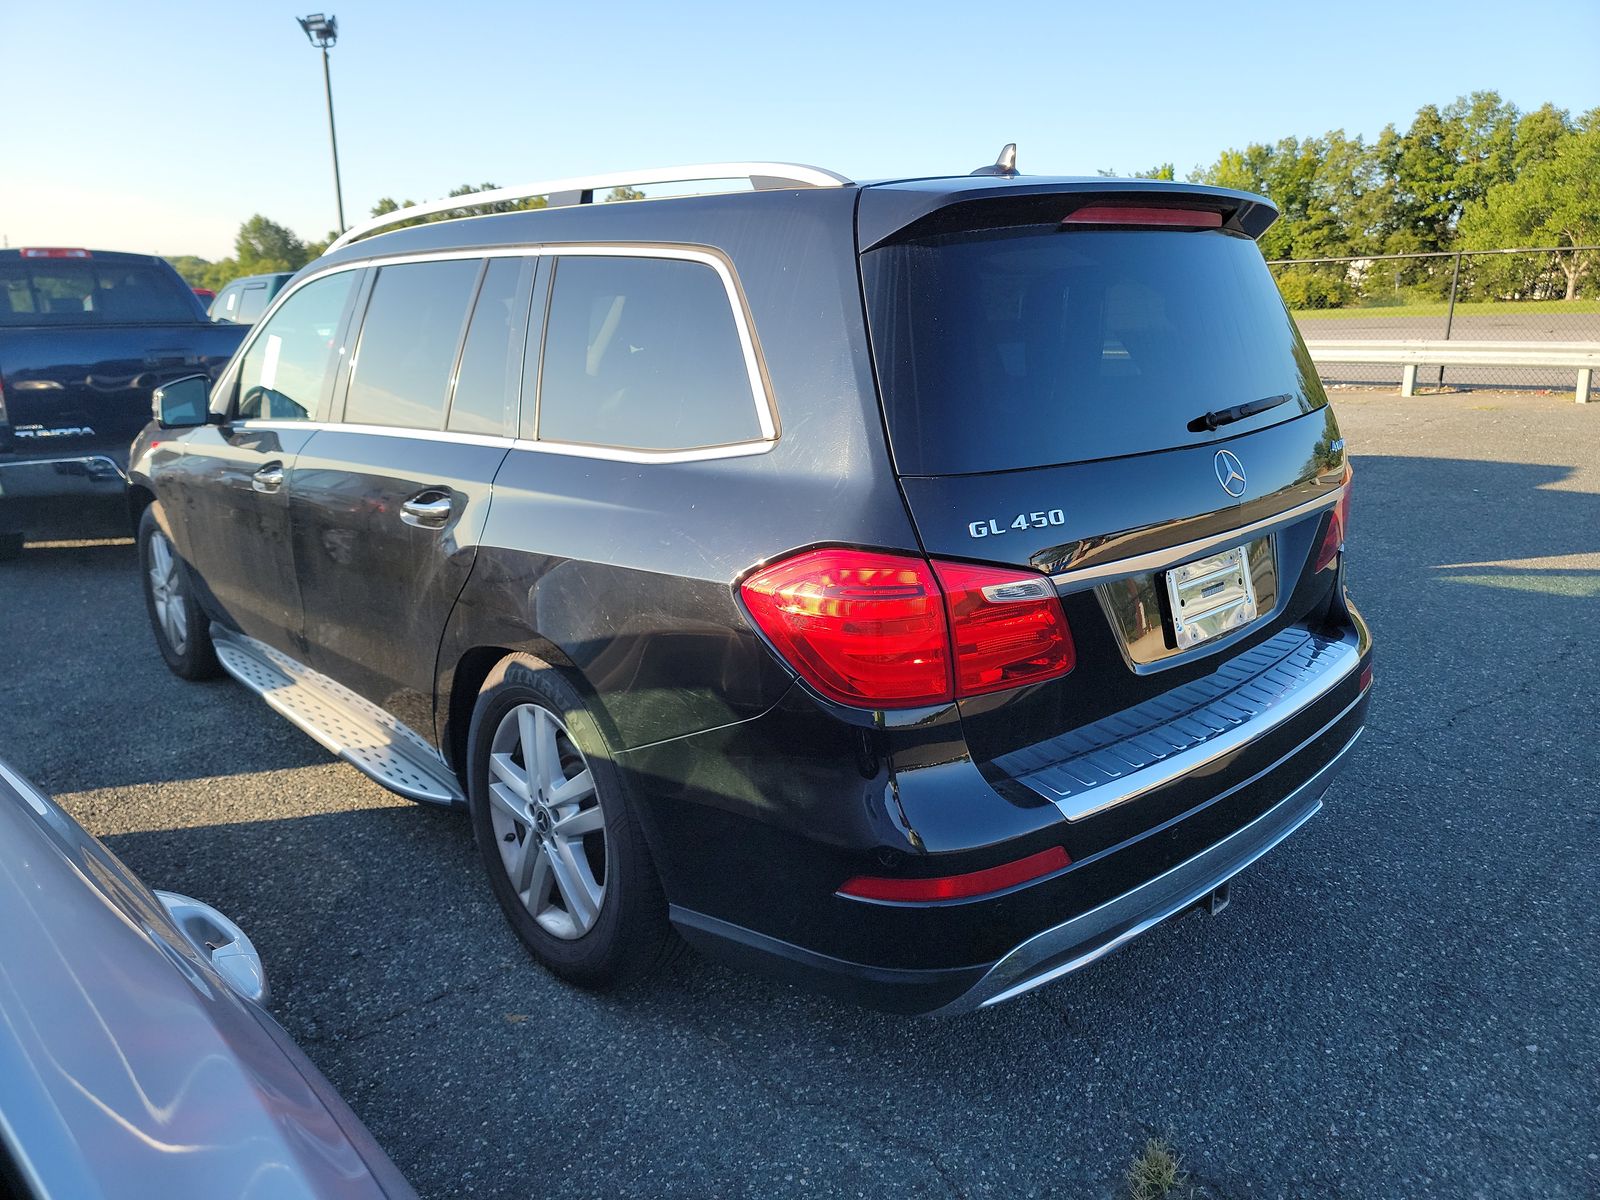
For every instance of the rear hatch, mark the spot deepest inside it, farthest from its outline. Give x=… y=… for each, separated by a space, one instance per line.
x=1106 y=388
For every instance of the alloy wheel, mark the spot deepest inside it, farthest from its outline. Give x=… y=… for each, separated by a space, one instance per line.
x=167 y=593
x=547 y=821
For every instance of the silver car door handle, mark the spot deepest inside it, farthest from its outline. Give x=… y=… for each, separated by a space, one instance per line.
x=268 y=479
x=427 y=510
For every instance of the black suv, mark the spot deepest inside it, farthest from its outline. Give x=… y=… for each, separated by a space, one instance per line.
x=917 y=589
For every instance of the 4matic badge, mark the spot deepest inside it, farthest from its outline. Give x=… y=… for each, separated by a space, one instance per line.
x=996 y=526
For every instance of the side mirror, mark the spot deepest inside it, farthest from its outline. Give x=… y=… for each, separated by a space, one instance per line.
x=183 y=403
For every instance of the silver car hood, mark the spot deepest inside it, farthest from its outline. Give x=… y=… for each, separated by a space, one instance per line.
x=128 y=1068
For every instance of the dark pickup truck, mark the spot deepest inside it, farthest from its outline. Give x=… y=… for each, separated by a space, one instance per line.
x=85 y=337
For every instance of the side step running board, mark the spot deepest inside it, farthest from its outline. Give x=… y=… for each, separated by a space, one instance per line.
x=359 y=732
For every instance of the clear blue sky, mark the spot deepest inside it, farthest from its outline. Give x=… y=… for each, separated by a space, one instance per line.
x=159 y=126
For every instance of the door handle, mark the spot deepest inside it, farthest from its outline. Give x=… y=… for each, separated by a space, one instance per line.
x=268 y=479
x=427 y=510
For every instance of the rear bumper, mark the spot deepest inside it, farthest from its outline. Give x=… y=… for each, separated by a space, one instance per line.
x=1061 y=948
x=1078 y=942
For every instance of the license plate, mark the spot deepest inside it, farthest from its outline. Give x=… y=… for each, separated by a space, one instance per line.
x=1211 y=596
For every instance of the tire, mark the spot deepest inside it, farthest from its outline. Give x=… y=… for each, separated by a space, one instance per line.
x=11 y=546
x=183 y=632
x=586 y=903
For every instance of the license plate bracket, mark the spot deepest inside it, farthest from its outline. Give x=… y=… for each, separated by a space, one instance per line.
x=1211 y=596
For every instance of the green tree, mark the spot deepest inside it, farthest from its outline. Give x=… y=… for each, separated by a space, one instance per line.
x=1159 y=171
x=1537 y=136
x=1556 y=202
x=195 y=271
x=263 y=246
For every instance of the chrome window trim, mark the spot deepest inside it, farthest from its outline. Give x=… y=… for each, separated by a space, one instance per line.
x=1076 y=579
x=398 y=431
x=761 y=392
x=621 y=454
x=575 y=450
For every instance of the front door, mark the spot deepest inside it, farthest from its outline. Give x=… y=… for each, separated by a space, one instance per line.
x=227 y=491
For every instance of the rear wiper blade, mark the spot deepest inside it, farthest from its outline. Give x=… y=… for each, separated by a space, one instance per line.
x=1227 y=416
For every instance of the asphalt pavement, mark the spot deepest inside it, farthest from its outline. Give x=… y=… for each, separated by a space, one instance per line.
x=1403 y=1000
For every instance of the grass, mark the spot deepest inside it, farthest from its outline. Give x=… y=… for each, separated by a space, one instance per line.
x=1466 y=308
x=1156 y=1173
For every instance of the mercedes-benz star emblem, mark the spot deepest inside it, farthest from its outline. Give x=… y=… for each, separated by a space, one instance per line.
x=1230 y=473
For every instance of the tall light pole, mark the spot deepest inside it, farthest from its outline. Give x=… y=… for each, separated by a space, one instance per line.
x=324 y=32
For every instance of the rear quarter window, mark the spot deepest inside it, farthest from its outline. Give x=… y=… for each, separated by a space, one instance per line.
x=252 y=303
x=643 y=354
x=1035 y=346
x=77 y=292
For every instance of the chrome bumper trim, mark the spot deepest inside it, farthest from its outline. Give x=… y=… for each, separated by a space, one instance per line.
x=1128 y=754
x=1076 y=579
x=1077 y=943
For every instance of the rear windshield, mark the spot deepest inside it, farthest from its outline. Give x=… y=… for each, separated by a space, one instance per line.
x=1034 y=346
x=78 y=292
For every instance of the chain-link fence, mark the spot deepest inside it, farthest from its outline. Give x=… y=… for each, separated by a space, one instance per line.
x=1520 y=295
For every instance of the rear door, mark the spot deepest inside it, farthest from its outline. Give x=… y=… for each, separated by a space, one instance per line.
x=1126 y=407
x=389 y=502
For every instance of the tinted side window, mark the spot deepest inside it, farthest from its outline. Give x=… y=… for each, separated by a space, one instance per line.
x=286 y=370
x=226 y=306
x=491 y=360
x=643 y=353
x=252 y=304
x=407 y=351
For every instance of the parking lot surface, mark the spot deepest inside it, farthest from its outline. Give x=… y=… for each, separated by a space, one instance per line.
x=1403 y=1000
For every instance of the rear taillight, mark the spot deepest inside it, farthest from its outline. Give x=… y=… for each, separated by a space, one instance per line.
x=1007 y=627
x=53 y=252
x=896 y=631
x=1338 y=523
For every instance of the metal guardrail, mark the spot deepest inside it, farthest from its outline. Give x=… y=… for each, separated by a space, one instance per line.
x=1409 y=355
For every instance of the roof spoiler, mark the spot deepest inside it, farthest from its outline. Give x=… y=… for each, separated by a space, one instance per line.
x=924 y=208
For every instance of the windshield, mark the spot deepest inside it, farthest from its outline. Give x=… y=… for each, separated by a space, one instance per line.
x=1034 y=346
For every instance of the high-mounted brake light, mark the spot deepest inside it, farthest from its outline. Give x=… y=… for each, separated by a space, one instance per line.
x=896 y=631
x=54 y=252
x=958 y=887
x=1127 y=214
x=1338 y=526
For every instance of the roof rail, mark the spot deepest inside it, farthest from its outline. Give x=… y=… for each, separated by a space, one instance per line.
x=581 y=189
